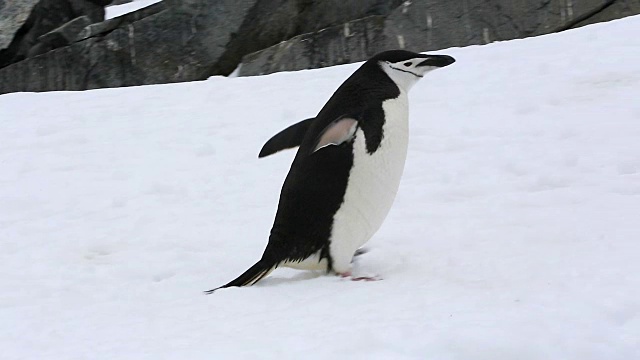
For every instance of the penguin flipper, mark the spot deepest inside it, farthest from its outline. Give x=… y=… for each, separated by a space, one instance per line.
x=255 y=273
x=286 y=139
x=337 y=132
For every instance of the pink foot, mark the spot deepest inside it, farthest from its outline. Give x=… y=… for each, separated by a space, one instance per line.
x=366 y=278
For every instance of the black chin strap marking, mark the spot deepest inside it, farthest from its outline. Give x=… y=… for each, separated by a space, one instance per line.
x=414 y=74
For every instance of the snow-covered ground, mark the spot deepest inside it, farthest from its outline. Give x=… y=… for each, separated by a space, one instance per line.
x=118 y=10
x=515 y=234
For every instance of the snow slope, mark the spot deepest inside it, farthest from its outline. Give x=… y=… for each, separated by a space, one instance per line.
x=515 y=234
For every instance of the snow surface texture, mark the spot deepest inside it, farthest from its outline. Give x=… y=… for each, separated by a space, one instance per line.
x=119 y=10
x=515 y=234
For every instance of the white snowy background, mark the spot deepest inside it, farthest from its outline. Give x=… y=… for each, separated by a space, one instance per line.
x=515 y=234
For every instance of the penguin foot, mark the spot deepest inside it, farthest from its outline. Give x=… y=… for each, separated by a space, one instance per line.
x=366 y=278
x=348 y=274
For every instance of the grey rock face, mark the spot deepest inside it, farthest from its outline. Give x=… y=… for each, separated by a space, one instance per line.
x=186 y=40
x=612 y=9
x=177 y=40
x=106 y=26
x=436 y=24
x=61 y=36
x=177 y=43
x=272 y=21
x=12 y=15
x=422 y=25
x=46 y=16
x=350 y=42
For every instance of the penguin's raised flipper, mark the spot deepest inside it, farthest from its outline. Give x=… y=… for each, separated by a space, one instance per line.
x=286 y=139
x=337 y=132
x=255 y=273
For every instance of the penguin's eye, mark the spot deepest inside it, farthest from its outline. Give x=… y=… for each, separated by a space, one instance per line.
x=408 y=63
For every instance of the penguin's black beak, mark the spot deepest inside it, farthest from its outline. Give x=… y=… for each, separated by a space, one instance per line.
x=437 y=61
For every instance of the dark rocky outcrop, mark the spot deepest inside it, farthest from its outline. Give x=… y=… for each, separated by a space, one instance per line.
x=429 y=25
x=105 y=27
x=610 y=10
x=59 y=37
x=177 y=40
x=174 y=43
x=46 y=16
x=272 y=21
x=13 y=14
x=186 y=40
x=342 y=44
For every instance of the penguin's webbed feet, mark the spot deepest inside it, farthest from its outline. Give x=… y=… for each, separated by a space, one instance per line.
x=349 y=275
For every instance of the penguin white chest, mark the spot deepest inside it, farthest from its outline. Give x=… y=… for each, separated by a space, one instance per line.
x=372 y=186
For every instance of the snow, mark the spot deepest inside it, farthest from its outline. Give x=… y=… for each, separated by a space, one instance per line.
x=119 y=10
x=515 y=234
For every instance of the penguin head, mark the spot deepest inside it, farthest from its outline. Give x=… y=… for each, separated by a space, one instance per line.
x=405 y=68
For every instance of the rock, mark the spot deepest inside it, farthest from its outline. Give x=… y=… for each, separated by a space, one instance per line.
x=611 y=10
x=272 y=21
x=180 y=43
x=46 y=16
x=120 y=21
x=187 y=40
x=177 y=40
x=66 y=33
x=429 y=25
x=353 y=41
x=13 y=14
x=423 y=25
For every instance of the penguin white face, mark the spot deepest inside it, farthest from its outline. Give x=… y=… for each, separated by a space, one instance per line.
x=406 y=72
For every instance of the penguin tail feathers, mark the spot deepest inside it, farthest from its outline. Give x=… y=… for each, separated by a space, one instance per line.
x=255 y=273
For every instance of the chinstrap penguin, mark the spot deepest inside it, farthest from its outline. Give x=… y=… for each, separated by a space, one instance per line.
x=347 y=170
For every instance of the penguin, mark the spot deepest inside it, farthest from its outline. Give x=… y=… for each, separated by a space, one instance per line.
x=347 y=170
